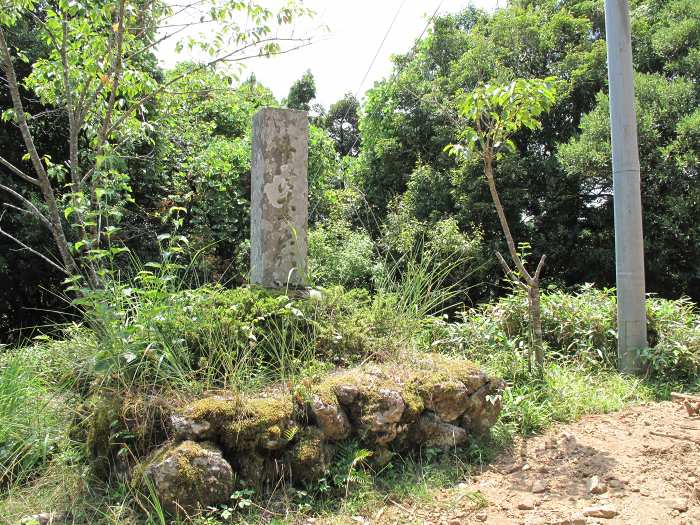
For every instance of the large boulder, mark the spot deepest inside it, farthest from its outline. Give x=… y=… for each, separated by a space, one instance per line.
x=190 y=476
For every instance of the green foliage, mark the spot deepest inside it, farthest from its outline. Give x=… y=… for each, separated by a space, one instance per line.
x=496 y=112
x=302 y=92
x=557 y=203
x=674 y=353
x=350 y=467
x=459 y=259
x=580 y=328
x=669 y=152
x=203 y=165
x=96 y=67
x=341 y=255
x=149 y=332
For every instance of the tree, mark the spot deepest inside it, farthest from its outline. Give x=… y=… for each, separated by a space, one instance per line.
x=28 y=296
x=342 y=124
x=99 y=73
x=669 y=150
x=302 y=92
x=494 y=114
x=409 y=117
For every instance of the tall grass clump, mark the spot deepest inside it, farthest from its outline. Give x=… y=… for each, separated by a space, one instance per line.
x=32 y=422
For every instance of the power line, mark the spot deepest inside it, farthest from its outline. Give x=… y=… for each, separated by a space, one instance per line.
x=379 y=49
x=401 y=66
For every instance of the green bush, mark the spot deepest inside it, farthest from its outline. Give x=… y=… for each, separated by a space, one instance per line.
x=341 y=255
x=406 y=239
x=581 y=327
x=674 y=337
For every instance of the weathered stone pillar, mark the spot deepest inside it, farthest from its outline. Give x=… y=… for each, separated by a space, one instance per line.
x=279 y=198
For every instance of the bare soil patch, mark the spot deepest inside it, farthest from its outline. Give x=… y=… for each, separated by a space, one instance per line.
x=637 y=466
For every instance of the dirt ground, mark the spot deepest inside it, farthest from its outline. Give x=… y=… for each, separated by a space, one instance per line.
x=611 y=469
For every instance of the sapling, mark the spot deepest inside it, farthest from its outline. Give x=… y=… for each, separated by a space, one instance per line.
x=493 y=114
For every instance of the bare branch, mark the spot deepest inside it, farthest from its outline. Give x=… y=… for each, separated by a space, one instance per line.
x=30 y=208
x=539 y=267
x=114 y=77
x=32 y=250
x=73 y=130
x=510 y=273
x=18 y=172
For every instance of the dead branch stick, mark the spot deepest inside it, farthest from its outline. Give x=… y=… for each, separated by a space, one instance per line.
x=681 y=397
x=32 y=250
x=676 y=436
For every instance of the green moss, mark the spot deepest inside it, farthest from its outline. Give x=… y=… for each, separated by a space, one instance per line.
x=216 y=410
x=258 y=421
x=328 y=388
x=189 y=474
x=106 y=415
x=308 y=458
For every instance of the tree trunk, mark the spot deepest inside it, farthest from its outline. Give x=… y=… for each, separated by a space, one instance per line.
x=530 y=282
x=43 y=182
x=536 y=320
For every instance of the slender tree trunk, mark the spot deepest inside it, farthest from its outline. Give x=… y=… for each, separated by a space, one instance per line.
x=536 y=320
x=529 y=281
x=44 y=184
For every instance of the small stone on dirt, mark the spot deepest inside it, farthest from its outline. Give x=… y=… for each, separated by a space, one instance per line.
x=595 y=486
x=526 y=504
x=575 y=520
x=600 y=511
x=679 y=504
x=538 y=486
x=481 y=516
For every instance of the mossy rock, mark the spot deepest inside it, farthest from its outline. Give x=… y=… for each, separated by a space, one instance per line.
x=310 y=456
x=239 y=424
x=188 y=477
x=382 y=401
x=425 y=400
x=104 y=422
x=113 y=422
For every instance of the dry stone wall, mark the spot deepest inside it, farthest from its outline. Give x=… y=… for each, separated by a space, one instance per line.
x=429 y=401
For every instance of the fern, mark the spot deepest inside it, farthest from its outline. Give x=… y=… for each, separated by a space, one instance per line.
x=351 y=466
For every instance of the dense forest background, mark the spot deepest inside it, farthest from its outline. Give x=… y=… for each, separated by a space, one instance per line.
x=381 y=184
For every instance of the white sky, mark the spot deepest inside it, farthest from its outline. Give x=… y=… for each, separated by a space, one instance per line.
x=343 y=50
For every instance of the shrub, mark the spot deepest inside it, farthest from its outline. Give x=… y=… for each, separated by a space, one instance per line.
x=341 y=255
x=674 y=337
x=581 y=327
x=406 y=239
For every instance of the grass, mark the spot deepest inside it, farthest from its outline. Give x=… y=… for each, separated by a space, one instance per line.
x=143 y=336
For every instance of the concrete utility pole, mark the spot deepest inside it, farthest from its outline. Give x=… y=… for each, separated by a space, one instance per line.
x=629 y=241
x=279 y=207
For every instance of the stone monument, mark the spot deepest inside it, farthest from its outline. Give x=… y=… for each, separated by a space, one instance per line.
x=279 y=198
